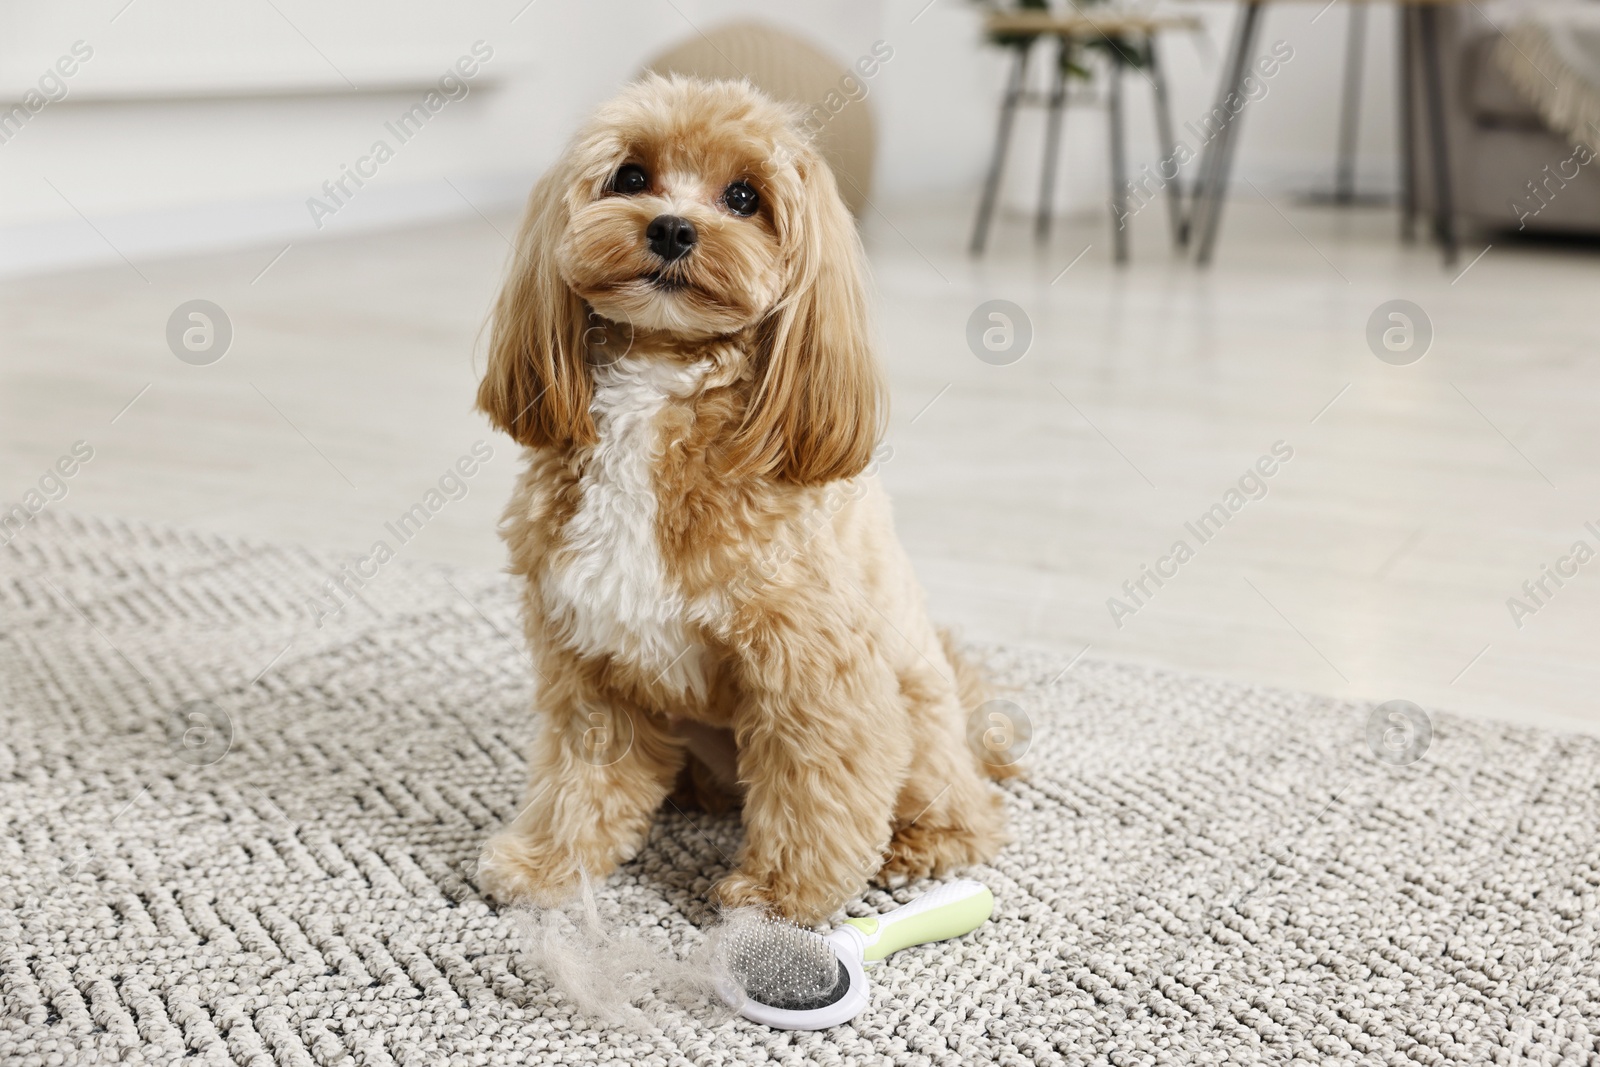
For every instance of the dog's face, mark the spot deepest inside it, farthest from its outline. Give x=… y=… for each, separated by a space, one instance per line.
x=680 y=208
x=693 y=209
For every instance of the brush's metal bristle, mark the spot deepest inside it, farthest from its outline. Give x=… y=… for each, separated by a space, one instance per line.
x=780 y=964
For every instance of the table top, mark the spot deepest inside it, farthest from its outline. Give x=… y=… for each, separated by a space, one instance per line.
x=1087 y=24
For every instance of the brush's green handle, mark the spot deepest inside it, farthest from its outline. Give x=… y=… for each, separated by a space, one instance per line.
x=951 y=910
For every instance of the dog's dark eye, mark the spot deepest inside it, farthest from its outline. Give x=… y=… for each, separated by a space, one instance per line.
x=630 y=179
x=741 y=199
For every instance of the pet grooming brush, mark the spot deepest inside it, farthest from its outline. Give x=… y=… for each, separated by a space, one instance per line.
x=781 y=975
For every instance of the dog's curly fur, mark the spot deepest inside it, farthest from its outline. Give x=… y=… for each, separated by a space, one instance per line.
x=700 y=545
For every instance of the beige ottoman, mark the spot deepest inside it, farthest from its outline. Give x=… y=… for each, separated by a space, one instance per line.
x=790 y=69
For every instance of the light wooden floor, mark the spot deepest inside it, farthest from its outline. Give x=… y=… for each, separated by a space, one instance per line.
x=1418 y=500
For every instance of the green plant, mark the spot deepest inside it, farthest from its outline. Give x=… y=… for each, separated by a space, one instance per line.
x=1124 y=51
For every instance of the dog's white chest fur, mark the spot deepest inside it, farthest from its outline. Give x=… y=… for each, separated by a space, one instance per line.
x=609 y=589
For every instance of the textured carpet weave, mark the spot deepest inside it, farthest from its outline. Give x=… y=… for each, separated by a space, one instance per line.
x=233 y=836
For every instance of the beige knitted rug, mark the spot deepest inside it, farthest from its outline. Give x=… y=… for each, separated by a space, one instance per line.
x=1204 y=872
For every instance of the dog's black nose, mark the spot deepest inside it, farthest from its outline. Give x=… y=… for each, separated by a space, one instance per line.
x=670 y=237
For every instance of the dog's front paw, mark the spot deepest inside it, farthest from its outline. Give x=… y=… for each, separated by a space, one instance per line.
x=918 y=852
x=740 y=890
x=804 y=902
x=927 y=848
x=514 y=868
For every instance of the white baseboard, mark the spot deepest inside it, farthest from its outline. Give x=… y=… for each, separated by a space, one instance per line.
x=67 y=243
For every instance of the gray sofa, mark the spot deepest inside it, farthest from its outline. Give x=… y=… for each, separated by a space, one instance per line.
x=1509 y=170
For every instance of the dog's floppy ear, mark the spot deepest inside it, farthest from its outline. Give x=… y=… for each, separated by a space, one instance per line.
x=818 y=405
x=537 y=387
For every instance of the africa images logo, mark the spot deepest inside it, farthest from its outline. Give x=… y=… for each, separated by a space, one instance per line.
x=1252 y=485
x=454 y=84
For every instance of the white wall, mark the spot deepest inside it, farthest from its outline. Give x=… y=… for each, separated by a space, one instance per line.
x=197 y=123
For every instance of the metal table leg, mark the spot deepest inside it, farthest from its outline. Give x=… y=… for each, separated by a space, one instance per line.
x=1344 y=178
x=1119 y=163
x=1218 y=159
x=1052 y=143
x=1444 y=221
x=1169 y=146
x=1008 y=112
x=1406 y=50
x=1202 y=195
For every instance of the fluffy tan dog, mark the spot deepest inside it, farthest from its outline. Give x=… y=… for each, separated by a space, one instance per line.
x=683 y=347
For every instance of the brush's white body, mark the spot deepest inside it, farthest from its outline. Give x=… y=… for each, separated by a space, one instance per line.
x=951 y=910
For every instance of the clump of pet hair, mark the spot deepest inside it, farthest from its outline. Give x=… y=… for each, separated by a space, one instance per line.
x=615 y=975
